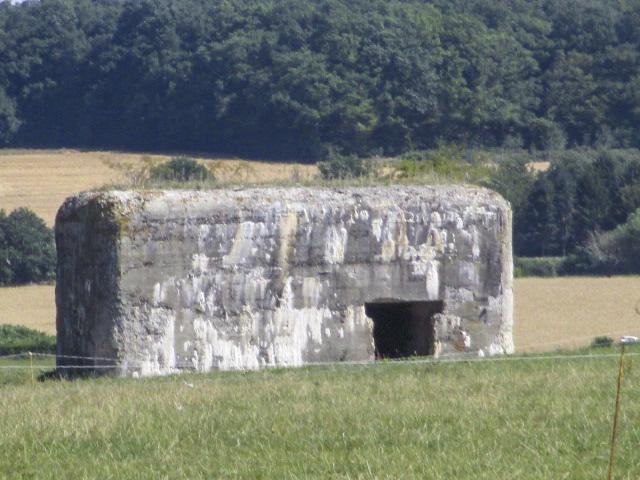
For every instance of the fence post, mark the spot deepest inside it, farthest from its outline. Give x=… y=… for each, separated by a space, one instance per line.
x=33 y=378
x=615 y=417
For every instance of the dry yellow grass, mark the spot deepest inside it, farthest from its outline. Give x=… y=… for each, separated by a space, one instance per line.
x=550 y=313
x=553 y=313
x=41 y=180
x=539 y=166
x=31 y=306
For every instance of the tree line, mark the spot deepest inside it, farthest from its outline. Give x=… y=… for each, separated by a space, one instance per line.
x=304 y=78
x=585 y=207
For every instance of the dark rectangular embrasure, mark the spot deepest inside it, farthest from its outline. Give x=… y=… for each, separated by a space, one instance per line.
x=403 y=329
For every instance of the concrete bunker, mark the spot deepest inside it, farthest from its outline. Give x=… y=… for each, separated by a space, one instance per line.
x=403 y=329
x=163 y=281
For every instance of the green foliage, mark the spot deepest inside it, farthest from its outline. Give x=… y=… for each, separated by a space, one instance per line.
x=582 y=193
x=181 y=169
x=447 y=161
x=135 y=173
x=603 y=253
x=290 y=79
x=345 y=167
x=615 y=251
x=27 y=248
x=602 y=342
x=18 y=339
x=8 y=121
x=514 y=180
x=538 y=266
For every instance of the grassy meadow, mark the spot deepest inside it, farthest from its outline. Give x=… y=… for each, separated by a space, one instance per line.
x=518 y=419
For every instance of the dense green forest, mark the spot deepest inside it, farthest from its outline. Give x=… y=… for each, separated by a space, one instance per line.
x=339 y=80
x=302 y=78
x=584 y=208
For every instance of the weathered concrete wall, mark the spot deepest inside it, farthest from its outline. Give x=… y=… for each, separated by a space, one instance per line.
x=162 y=281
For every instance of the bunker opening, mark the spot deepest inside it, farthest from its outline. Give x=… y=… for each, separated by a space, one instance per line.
x=403 y=329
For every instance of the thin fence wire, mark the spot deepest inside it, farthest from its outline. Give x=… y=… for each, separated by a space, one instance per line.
x=521 y=348
x=404 y=361
x=106 y=363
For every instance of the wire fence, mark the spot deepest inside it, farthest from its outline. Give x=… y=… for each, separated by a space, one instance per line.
x=76 y=364
x=106 y=363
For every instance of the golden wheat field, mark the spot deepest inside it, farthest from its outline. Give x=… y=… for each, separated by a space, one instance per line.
x=549 y=313
x=568 y=312
x=33 y=306
x=41 y=180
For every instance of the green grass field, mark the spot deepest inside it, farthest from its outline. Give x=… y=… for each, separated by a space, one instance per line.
x=545 y=418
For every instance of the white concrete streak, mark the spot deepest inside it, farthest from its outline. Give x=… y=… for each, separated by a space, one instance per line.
x=335 y=244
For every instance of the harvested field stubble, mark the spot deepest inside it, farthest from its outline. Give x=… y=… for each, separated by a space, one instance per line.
x=41 y=180
x=32 y=306
x=568 y=312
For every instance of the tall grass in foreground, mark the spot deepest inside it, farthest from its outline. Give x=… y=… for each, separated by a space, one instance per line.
x=535 y=419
